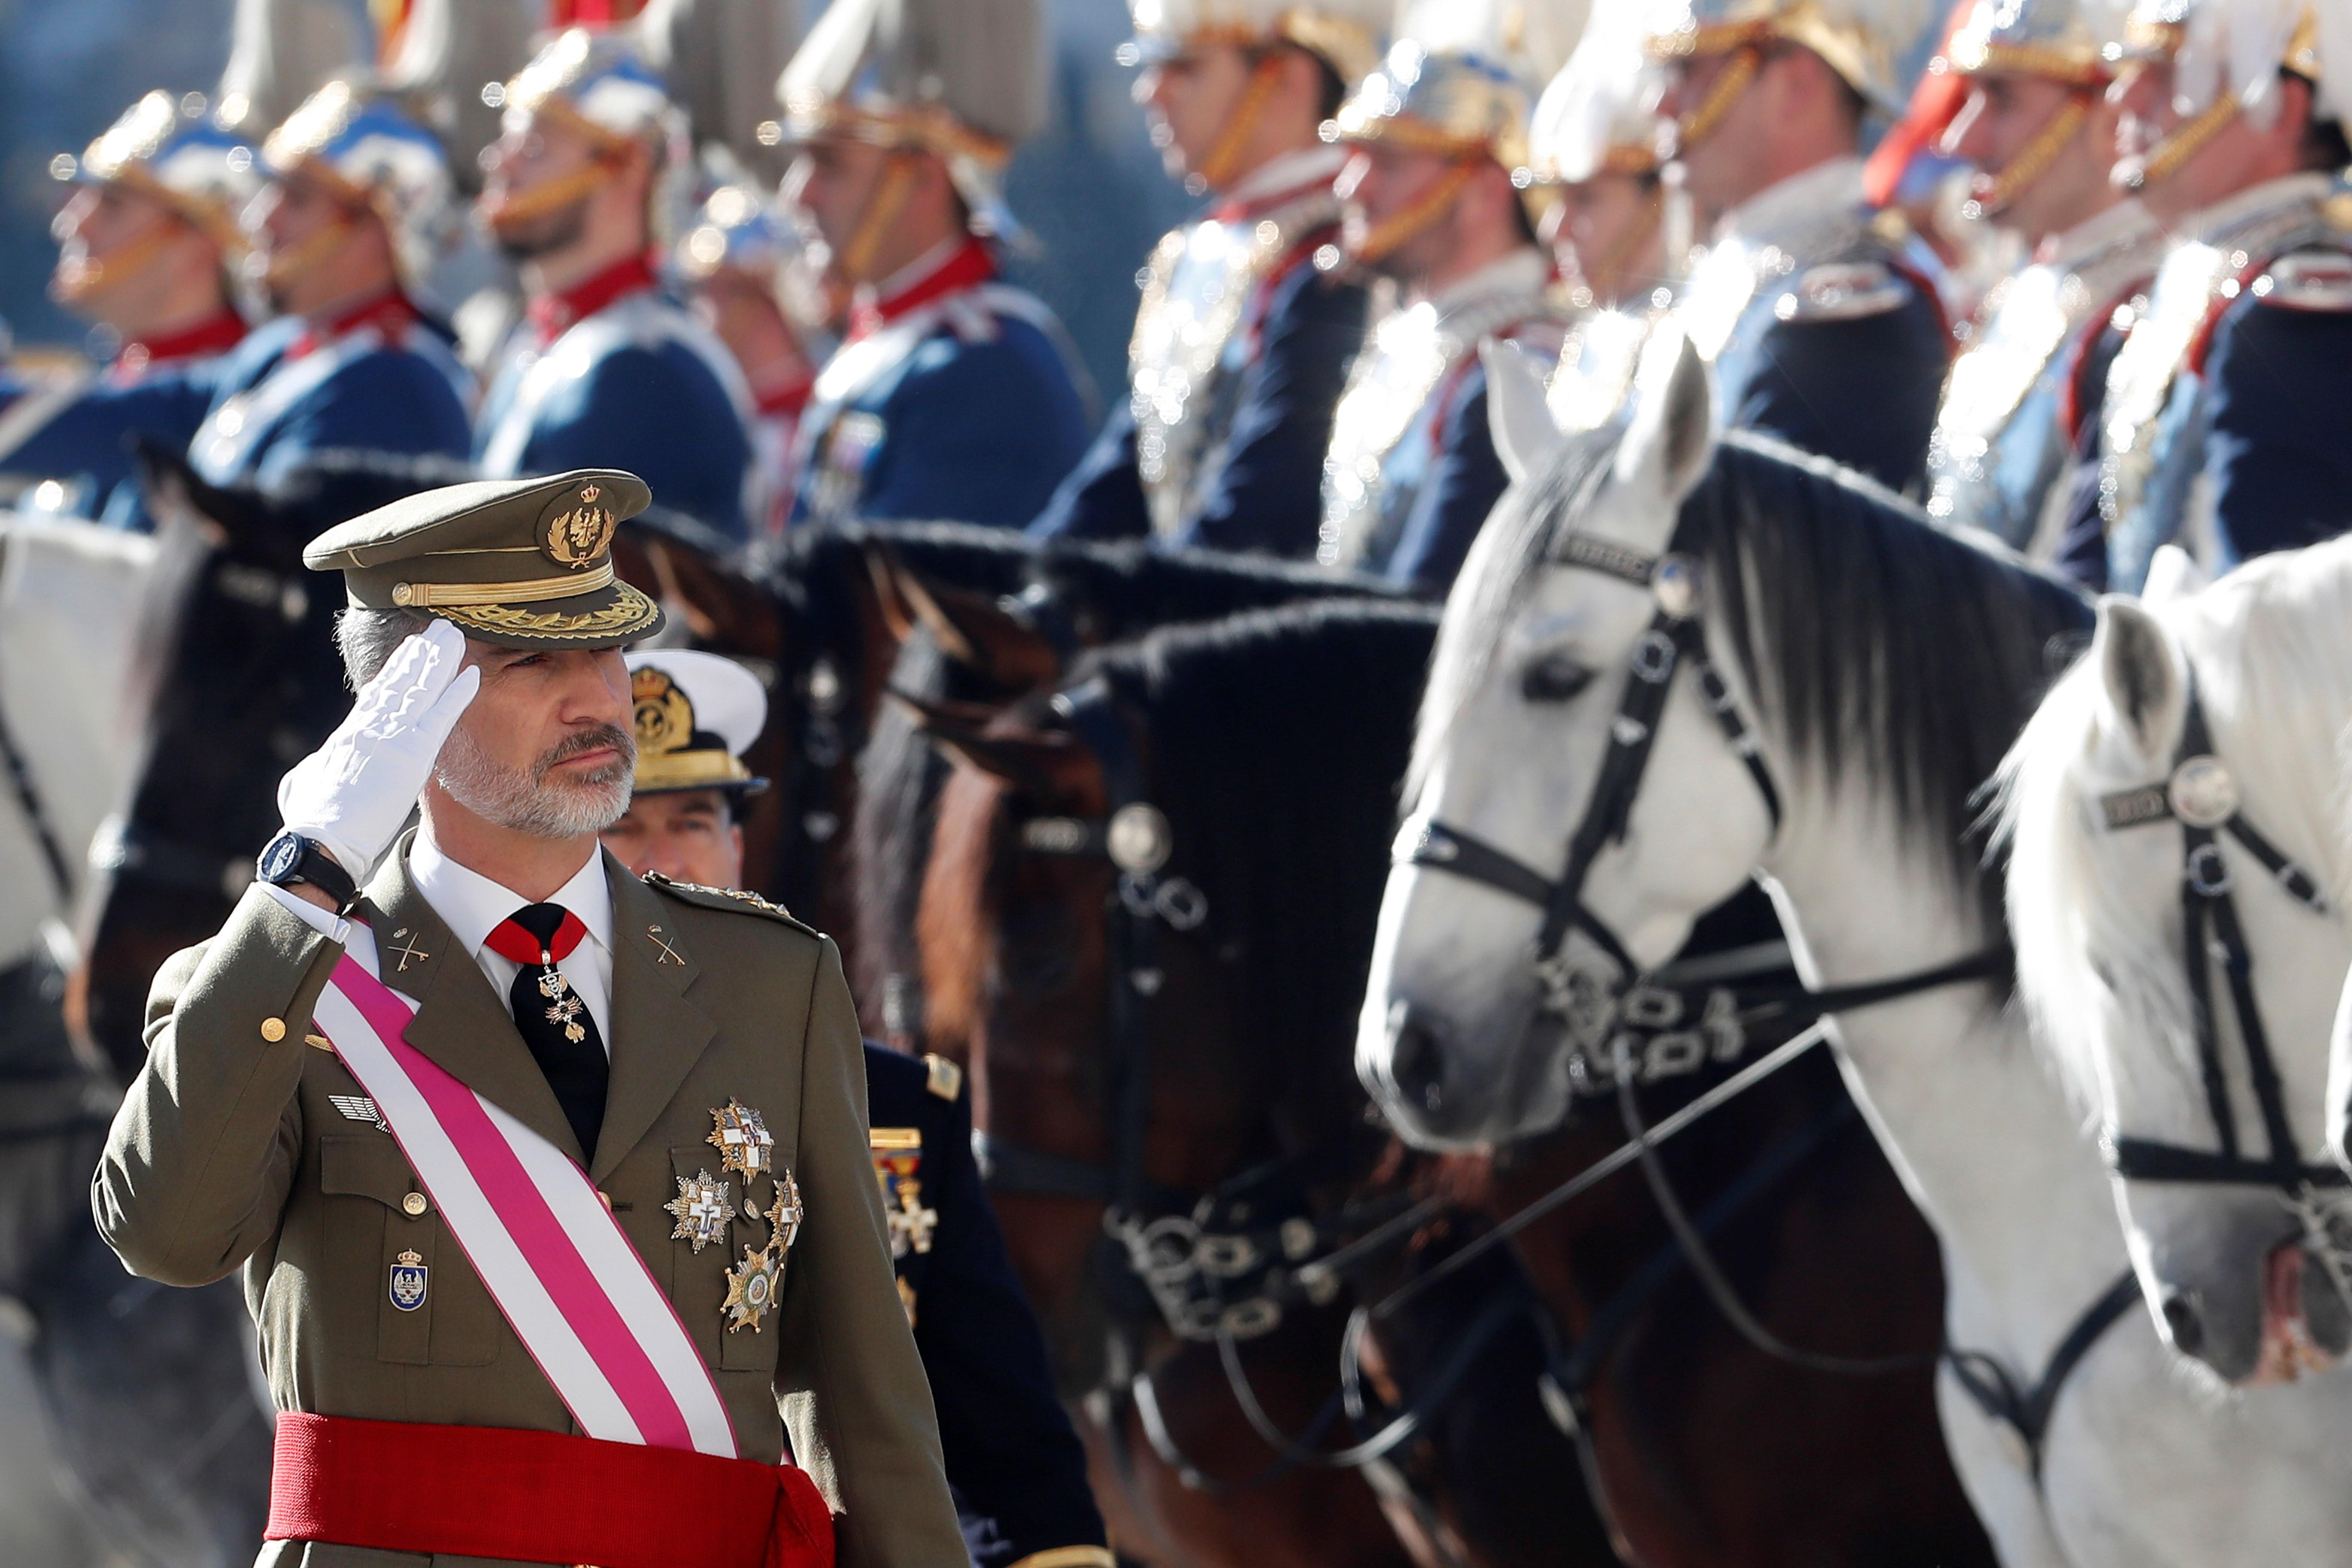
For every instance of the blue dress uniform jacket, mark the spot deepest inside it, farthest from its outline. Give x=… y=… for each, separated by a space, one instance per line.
x=963 y=407
x=1823 y=330
x=1412 y=471
x=2222 y=426
x=1015 y=1467
x=82 y=437
x=1241 y=351
x=381 y=380
x=638 y=385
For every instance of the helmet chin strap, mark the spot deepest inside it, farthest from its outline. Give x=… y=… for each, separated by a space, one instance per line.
x=1991 y=193
x=84 y=275
x=874 y=224
x=1219 y=168
x=2167 y=158
x=1733 y=80
x=554 y=197
x=1383 y=238
x=285 y=266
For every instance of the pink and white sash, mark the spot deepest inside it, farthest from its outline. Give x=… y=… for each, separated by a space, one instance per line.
x=537 y=1231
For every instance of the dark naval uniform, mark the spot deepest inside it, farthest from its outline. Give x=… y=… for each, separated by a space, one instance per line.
x=1412 y=471
x=1823 y=330
x=82 y=437
x=2222 y=426
x=1017 y=1470
x=954 y=397
x=379 y=378
x=615 y=371
x=1241 y=350
x=2019 y=397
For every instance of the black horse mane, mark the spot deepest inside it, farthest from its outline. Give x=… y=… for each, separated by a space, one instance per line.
x=1274 y=741
x=1875 y=638
x=1104 y=592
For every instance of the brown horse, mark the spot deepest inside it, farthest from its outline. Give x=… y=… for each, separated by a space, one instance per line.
x=1165 y=1049
x=1270 y=747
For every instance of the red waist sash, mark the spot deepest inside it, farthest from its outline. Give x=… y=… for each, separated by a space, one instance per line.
x=538 y=1497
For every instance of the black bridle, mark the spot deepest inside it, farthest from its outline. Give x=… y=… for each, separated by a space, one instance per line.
x=1703 y=1023
x=2203 y=797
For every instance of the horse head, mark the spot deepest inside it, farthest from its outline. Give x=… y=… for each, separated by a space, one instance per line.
x=1552 y=631
x=2172 y=971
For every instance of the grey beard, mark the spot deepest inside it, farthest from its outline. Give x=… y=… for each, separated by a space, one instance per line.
x=526 y=801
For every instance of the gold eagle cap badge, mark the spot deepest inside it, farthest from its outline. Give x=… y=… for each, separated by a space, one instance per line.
x=577 y=530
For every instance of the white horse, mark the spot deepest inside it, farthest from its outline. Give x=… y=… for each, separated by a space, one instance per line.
x=2190 y=771
x=71 y=595
x=1884 y=667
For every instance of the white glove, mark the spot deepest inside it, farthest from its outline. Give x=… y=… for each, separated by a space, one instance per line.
x=355 y=791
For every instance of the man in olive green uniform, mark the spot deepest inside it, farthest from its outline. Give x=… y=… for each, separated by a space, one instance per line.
x=389 y=1107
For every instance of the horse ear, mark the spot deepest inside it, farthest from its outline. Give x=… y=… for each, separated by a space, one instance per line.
x=2174 y=573
x=1517 y=416
x=1671 y=439
x=2143 y=679
x=967 y=733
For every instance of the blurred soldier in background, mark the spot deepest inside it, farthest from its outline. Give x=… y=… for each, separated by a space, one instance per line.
x=953 y=395
x=282 y=51
x=721 y=58
x=148 y=244
x=607 y=369
x=1823 y=330
x=357 y=204
x=1241 y=344
x=740 y=261
x=2037 y=125
x=2223 y=420
x=1437 y=150
x=1613 y=223
x=1014 y=1464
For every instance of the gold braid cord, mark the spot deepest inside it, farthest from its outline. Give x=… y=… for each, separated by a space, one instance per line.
x=1994 y=192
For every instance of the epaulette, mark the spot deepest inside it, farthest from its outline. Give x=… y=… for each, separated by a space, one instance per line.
x=2317 y=279
x=1843 y=291
x=943 y=1077
x=733 y=898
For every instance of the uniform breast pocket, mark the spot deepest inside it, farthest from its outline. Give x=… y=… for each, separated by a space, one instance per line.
x=397 y=1278
x=726 y=1273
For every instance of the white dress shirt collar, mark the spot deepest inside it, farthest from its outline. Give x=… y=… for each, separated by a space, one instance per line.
x=471 y=905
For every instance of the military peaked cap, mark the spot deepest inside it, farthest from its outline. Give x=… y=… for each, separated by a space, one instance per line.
x=519 y=562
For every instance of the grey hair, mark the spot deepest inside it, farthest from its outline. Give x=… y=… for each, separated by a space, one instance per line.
x=368 y=638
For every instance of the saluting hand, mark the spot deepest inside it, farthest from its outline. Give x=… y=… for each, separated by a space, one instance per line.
x=355 y=791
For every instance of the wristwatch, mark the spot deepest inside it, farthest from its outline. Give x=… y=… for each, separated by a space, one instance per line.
x=289 y=858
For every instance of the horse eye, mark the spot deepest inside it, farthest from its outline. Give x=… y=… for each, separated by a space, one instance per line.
x=1554 y=677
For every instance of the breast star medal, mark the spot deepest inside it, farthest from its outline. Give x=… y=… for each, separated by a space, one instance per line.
x=746 y=1147
x=743 y=1142
x=702 y=1210
x=752 y=1288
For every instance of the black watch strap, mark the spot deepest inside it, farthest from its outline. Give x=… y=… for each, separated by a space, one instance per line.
x=282 y=865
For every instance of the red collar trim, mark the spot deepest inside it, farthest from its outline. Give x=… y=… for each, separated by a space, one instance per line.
x=1267 y=201
x=970 y=265
x=516 y=945
x=787 y=394
x=387 y=312
x=217 y=334
x=552 y=315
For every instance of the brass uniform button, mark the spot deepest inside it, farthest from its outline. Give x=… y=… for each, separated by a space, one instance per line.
x=414 y=1204
x=608 y=1201
x=273 y=1029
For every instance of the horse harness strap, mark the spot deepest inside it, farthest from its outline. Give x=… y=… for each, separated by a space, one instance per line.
x=2203 y=797
x=2026 y=1410
x=1675 y=637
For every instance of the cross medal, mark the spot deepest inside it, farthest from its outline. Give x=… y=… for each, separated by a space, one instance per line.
x=566 y=1009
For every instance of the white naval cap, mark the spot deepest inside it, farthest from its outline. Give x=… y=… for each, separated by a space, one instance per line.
x=695 y=715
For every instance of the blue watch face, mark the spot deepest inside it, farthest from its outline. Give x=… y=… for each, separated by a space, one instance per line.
x=279 y=856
